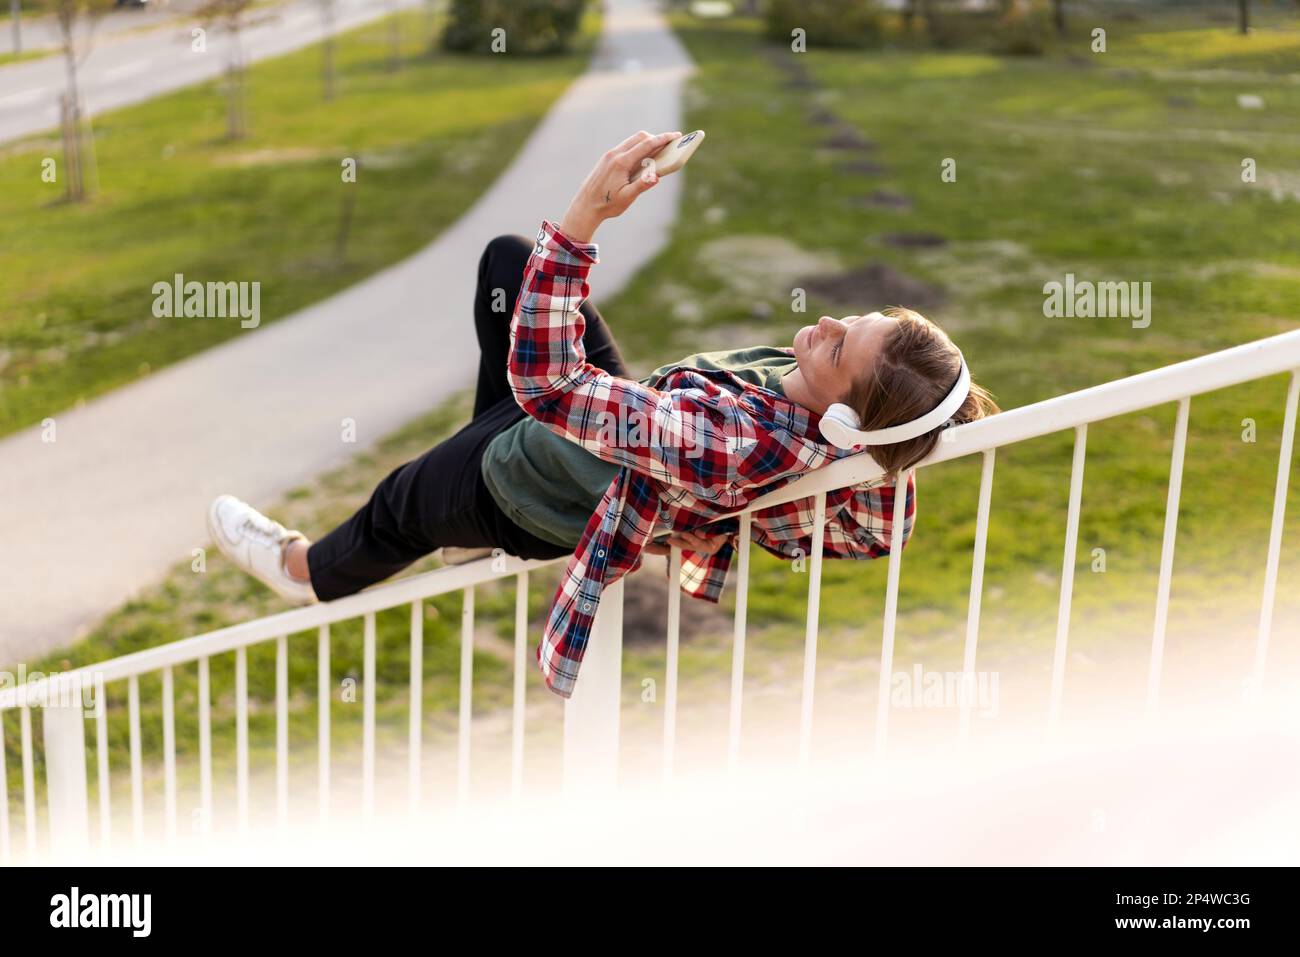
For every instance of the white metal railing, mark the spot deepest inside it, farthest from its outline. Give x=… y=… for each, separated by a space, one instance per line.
x=591 y=737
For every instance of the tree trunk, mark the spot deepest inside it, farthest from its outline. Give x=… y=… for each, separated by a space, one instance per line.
x=394 y=41
x=235 y=125
x=15 y=17
x=76 y=190
x=1058 y=16
x=1243 y=17
x=328 y=52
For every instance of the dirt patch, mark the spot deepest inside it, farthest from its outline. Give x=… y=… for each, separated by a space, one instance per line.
x=887 y=199
x=820 y=117
x=645 y=609
x=796 y=75
x=847 y=138
x=914 y=240
x=761 y=266
x=861 y=168
x=875 y=285
x=269 y=156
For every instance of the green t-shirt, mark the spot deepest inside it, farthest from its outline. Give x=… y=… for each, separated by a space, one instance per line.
x=549 y=486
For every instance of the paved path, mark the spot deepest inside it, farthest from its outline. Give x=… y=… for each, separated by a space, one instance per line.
x=120 y=496
x=134 y=67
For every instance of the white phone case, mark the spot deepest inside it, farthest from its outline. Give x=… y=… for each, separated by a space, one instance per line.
x=674 y=156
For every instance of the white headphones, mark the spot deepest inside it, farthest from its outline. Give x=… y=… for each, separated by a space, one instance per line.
x=842 y=428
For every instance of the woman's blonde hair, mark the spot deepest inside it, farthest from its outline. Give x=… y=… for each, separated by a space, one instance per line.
x=918 y=365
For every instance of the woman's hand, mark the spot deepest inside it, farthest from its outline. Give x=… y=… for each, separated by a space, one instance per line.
x=700 y=543
x=620 y=176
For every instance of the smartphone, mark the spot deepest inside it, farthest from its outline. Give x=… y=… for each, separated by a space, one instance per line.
x=674 y=156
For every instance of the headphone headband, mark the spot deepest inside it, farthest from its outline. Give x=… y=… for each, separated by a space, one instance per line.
x=841 y=426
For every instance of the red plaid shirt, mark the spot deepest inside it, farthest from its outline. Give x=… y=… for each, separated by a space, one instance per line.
x=693 y=446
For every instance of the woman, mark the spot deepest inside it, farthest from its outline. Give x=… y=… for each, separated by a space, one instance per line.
x=566 y=455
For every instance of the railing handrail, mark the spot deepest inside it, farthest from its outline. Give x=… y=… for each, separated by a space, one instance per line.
x=1216 y=370
x=392 y=594
x=1233 y=366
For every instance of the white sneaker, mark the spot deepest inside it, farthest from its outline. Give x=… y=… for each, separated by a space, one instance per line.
x=256 y=544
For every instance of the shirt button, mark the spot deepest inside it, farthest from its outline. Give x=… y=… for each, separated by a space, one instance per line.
x=586 y=606
x=600 y=553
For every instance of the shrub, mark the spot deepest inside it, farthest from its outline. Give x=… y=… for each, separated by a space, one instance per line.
x=1024 y=30
x=531 y=26
x=828 y=23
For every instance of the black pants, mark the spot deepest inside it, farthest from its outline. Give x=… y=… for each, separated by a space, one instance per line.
x=440 y=499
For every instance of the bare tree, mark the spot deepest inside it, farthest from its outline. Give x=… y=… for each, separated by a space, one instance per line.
x=15 y=21
x=229 y=16
x=77 y=145
x=1058 y=16
x=909 y=14
x=327 y=11
x=1243 y=16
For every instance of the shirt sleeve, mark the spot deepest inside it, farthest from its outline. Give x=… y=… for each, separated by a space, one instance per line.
x=862 y=525
x=701 y=438
x=859 y=523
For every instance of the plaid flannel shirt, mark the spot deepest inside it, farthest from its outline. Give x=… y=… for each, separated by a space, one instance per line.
x=709 y=444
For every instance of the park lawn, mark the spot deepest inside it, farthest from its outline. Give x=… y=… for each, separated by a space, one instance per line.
x=1109 y=174
x=7 y=58
x=175 y=197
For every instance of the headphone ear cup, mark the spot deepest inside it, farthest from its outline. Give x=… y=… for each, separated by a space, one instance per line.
x=840 y=426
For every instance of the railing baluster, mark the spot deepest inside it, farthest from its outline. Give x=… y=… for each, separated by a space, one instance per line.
x=738 y=643
x=323 y=700
x=593 y=715
x=976 y=591
x=417 y=699
x=101 y=759
x=1067 y=574
x=1275 y=535
x=517 y=708
x=205 y=747
x=29 y=780
x=891 y=610
x=64 y=734
x=674 y=640
x=4 y=798
x=241 y=736
x=1167 y=555
x=169 y=753
x=368 y=722
x=810 y=632
x=137 y=762
x=282 y=730
x=466 y=690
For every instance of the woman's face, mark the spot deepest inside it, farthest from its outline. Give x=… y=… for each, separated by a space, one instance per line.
x=833 y=353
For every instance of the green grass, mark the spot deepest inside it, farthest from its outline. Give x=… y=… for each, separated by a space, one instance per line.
x=1105 y=170
x=175 y=197
x=7 y=58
